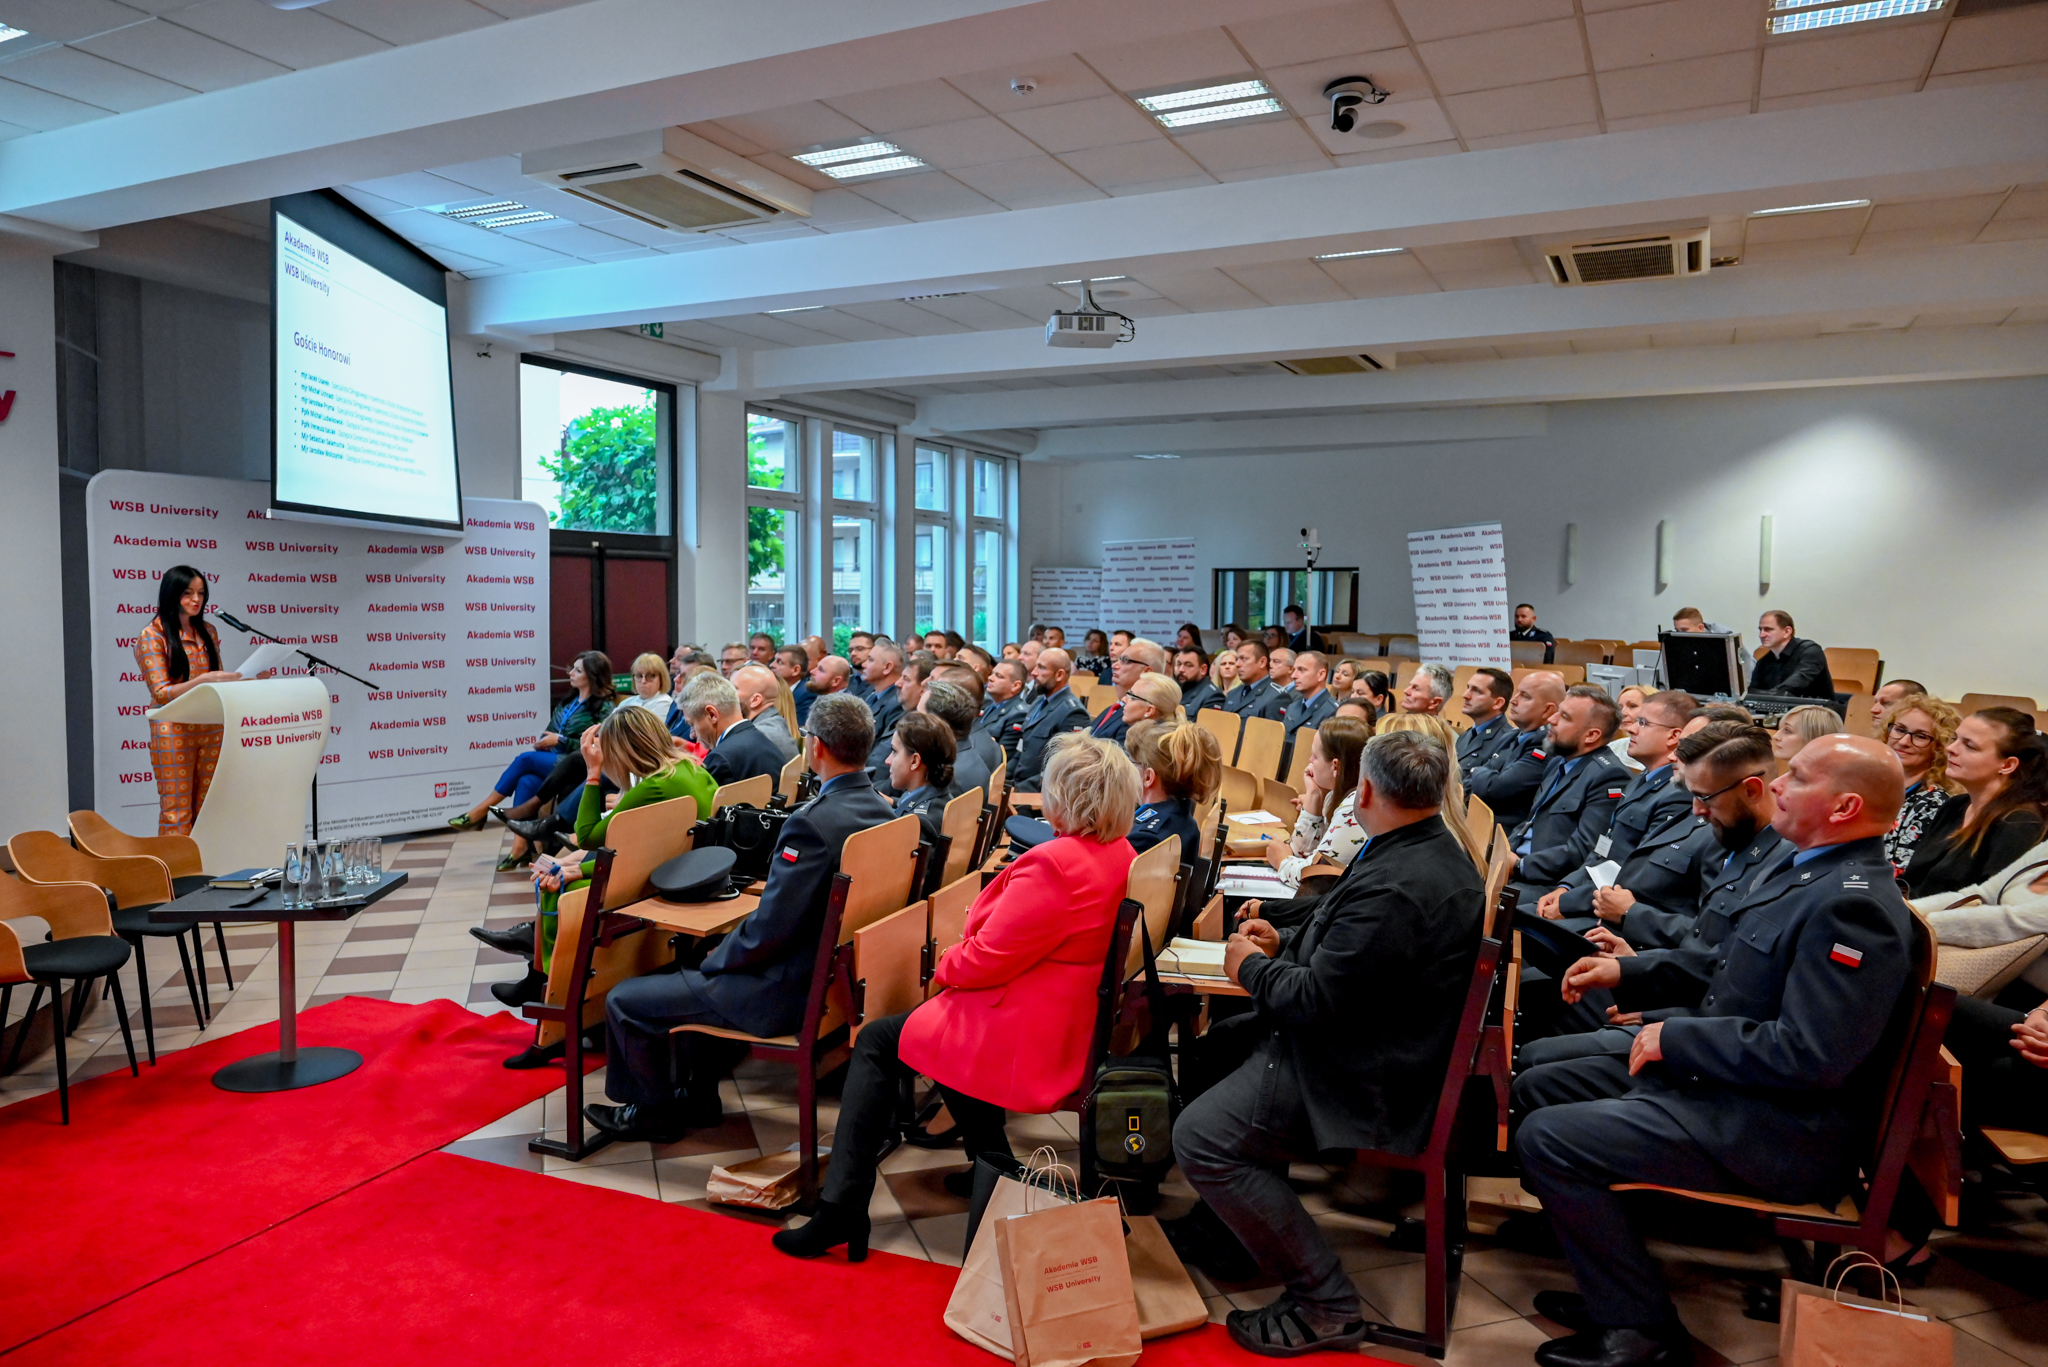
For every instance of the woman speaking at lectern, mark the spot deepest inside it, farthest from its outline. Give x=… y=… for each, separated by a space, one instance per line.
x=177 y=639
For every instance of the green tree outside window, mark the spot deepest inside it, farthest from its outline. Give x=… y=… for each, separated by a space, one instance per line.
x=606 y=469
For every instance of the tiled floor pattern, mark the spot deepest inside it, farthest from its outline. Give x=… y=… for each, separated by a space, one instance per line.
x=1992 y=1284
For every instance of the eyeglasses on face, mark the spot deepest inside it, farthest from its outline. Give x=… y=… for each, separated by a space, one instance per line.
x=1906 y=736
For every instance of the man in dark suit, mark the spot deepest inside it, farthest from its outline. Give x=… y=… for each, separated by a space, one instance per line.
x=1581 y=786
x=1354 y=1013
x=737 y=750
x=1527 y=630
x=1056 y=712
x=1299 y=637
x=1791 y=664
x=1764 y=1082
x=1652 y=800
x=1507 y=781
x=1485 y=705
x=832 y=674
x=793 y=667
x=858 y=647
x=758 y=977
x=1311 y=704
x=1191 y=672
x=884 y=675
x=1003 y=697
x=1254 y=692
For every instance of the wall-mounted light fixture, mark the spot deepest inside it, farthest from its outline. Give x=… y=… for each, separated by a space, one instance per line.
x=1763 y=555
x=1571 y=554
x=1663 y=554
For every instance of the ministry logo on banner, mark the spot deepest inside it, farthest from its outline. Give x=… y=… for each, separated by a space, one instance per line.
x=1460 y=580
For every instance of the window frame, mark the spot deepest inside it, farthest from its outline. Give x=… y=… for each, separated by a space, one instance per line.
x=788 y=499
x=878 y=571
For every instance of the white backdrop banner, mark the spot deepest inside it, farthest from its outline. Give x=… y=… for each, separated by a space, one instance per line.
x=1460 y=577
x=1067 y=597
x=453 y=633
x=1148 y=586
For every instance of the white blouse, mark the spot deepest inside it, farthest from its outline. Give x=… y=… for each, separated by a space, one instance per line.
x=1315 y=841
x=658 y=704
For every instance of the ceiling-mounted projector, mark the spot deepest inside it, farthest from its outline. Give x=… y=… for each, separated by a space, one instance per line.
x=1088 y=326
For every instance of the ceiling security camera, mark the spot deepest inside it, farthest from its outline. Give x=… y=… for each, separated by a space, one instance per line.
x=1345 y=95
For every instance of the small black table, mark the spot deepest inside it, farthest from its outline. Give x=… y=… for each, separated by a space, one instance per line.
x=289 y=1066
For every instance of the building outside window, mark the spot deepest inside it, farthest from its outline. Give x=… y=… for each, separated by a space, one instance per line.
x=774 y=513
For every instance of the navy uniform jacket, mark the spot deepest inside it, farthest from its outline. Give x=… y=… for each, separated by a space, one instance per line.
x=1308 y=712
x=1032 y=732
x=1537 y=634
x=1247 y=699
x=859 y=687
x=975 y=762
x=1698 y=943
x=1157 y=820
x=1507 y=781
x=1772 y=1072
x=802 y=696
x=678 y=725
x=1801 y=671
x=741 y=753
x=1480 y=743
x=1198 y=695
x=1651 y=802
x=1111 y=724
x=928 y=805
x=996 y=714
x=1571 y=811
x=887 y=705
x=759 y=976
x=1665 y=869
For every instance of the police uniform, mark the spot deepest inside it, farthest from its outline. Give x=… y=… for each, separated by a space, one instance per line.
x=1031 y=733
x=1480 y=743
x=1308 y=712
x=1172 y=816
x=1249 y=697
x=887 y=705
x=996 y=713
x=1651 y=801
x=1768 y=1083
x=928 y=805
x=1574 y=804
x=1507 y=781
x=1665 y=873
x=1198 y=695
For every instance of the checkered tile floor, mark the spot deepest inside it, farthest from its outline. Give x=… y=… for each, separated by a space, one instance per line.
x=1992 y=1284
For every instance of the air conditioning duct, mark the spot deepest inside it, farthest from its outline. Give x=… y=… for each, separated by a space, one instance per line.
x=1641 y=256
x=1357 y=363
x=671 y=178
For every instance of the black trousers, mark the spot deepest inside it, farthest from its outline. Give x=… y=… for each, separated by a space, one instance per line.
x=1567 y=1068
x=2000 y=1088
x=867 y=1114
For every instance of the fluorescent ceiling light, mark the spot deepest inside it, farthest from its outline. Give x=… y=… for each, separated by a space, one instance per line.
x=1091 y=280
x=1208 y=94
x=1157 y=456
x=498 y=213
x=1808 y=17
x=1246 y=99
x=1369 y=251
x=1811 y=208
x=1216 y=113
x=859 y=159
x=801 y=308
x=8 y=35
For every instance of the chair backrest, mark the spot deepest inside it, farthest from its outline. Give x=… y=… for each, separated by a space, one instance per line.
x=641 y=840
x=95 y=834
x=1225 y=726
x=1977 y=702
x=881 y=861
x=1099 y=701
x=1207 y=819
x=1499 y=865
x=1153 y=884
x=1259 y=753
x=135 y=880
x=1580 y=653
x=1083 y=685
x=1298 y=758
x=1479 y=817
x=71 y=909
x=949 y=908
x=961 y=822
x=1402 y=646
x=1460 y=676
x=1464 y=1047
x=1454 y=716
x=1526 y=652
x=748 y=792
x=1109 y=989
x=1239 y=789
x=785 y=782
x=1277 y=797
x=1632 y=647
x=888 y=961
x=1853 y=662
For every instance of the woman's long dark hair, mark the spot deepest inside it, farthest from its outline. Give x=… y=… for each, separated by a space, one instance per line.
x=2027 y=789
x=597 y=667
x=169 y=615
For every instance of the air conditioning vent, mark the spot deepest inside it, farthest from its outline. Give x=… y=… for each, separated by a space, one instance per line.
x=1662 y=256
x=672 y=179
x=1335 y=365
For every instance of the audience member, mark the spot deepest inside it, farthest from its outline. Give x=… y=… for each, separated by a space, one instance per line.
x=1280 y=669
x=1255 y=694
x=1234 y=636
x=1882 y=700
x=935 y=642
x=1036 y=633
x=1094 y=657
x=1055 y=712
x=833 y=674
x=1354 y=1013
x=1055 y=638
x=1004 y=697
x=1327 y=831
x=814 y=651
x=1180 y=766
x=884 y=676
x=1727 y=711
x=687 y=660
x=1455 y=801
x=1527 y=630
x=975 y=753
x=758 y=977
x=738 y=749
x=858 y=647
x=1011 y=1029
x=1191 y=672
x=1802 y=726
x=1918 y=729
x=1374 y=687
x=1134 y=658
x=766 y=702
x=761 y=648
x=1485 y=705
x=1012 y=651
x=1651 y=803
x=978 y=660
x=1343 y=673
x=1311 y=704
x=955 y=643
x=1765 y=1087
x=731 y=656
x=2001 y=764
x=1358 y=709
x=1581 y=786
x=1507 y=781
x=549 y=770
x=1154 y=697
x=921 y=754
x=1429 y=688
x=1791 y=665
x=1273 y=638
x=1692 y=619
x=1027 y=656
x=1223 y=674
x=650 y=686
x=792 y=665
x=1630 y=701
x=1299 y=637
x=1189 y=637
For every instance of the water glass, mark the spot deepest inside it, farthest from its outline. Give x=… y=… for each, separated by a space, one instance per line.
x=358 y=860
x=376 y=863
x=332 y=867
x=294 y=875
x=309 y=889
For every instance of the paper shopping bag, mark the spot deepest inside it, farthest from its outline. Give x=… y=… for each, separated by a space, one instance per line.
x=770 y=1182
x=1167 y=1299
x=977 y=1310
x=1067 y=1285
x=1821 y=1326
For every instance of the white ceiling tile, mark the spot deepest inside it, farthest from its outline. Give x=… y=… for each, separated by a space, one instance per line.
x=1399 y=153
x=1101 y=122
x=1168 y=59
x=1429 y=19
x=845 y=327
x=1849 y=59
x=908 y=319
x=1952 y=211
x=66 y=21
x=1518 y=351
x=1497 y=253
x=522 y=9
x=1523 y=108
x=1913 y=239
x=1844 y=223
x=1288 y=282
x=161 y=48
x=1454 y=355
x=974 y=141
x=573 y=239
x=1380 y=277
x=1848 y=94
x=1394 y=70
x=42 y=111
x=1286 y=39
x=410 y=21
x=1534 y=135
x=498 y=176
x=296 y=38
x=843 y=208
x=1056 y=80
x=1418 y=121
x=928 y=195
x=1515 y=56
x=1268 y=170
x=1032 y=301
x=418 y=187
x=1689 y=83
x=1028 y=183
x=1134 y=163
x=1592 y=346
x=1993 y=40
x=1777 y=332
x=1202 y=291
x=2027 y=71
x=1249 y=145
x=1672 y=31
x=93 y=80
x=794 y=126
x=1153 y=187
x=1700 y=115
x=905 y=106
x=979 y=312
x=1810 y=249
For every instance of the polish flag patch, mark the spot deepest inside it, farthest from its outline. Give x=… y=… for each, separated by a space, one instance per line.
x=1843 y=954
x=1538 y=754
x=1614 y=792
x=789 y=856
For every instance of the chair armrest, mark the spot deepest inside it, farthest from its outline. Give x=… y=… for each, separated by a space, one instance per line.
x=72 y=909
x=12 y=969
x=136 y=880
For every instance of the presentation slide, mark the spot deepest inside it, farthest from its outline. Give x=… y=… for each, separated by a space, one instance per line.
x=365 y=419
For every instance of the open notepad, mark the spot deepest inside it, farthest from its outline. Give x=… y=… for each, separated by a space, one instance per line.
x=1253 y=880
x=1192 y=958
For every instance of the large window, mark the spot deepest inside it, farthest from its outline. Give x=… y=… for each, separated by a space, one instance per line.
x=856 y=511
x=594 y=448
x=990 y=531
x=1256 y=598
x=774 y=513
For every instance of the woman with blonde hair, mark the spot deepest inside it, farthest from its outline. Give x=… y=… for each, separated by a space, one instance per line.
x=650 y=686
x=1180 y=766
x=1454 y=792
x=1326 y=832
x=1919 y=729
x=1223 y=671
x=1154 y=697
x=1801 y=727
x=1343 y=674
x=1630 y=701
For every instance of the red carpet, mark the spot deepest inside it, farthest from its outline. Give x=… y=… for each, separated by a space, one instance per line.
x=449 y=1260
x=156 y=1173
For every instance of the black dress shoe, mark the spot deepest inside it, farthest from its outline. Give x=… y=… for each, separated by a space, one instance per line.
x=832 y=1226
x=1618 y=1348
x=636 y=1123
x=537 y=829
x=514 y=940
x=960 y=1184
x=537 y=1056
x=1567 y=1308
x=530 y=988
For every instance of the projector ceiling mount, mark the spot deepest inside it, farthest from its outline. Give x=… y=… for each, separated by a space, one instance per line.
x=1088 y=326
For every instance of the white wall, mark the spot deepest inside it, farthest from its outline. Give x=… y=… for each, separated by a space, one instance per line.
x=1910 y=518
x=31 y=613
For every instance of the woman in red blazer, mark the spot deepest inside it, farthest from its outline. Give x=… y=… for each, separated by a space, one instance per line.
x=1011 y=1030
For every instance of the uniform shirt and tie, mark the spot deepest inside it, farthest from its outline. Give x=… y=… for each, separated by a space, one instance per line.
x=1111 y=725
x=1478 y=744
x=1309 y=711
x=1250 y=697
x=1573 y=806
x=1198 y=695
x=1651 y=801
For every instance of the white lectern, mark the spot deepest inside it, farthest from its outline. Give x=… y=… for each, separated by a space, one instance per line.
x=273 y=732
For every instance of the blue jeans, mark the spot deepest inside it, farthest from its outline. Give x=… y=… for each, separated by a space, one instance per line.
x=524 y=775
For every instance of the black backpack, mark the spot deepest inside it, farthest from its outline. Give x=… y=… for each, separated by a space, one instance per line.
x=1127 y=1126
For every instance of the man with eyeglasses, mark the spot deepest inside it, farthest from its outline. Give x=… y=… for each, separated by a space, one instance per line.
x=1131 y=662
